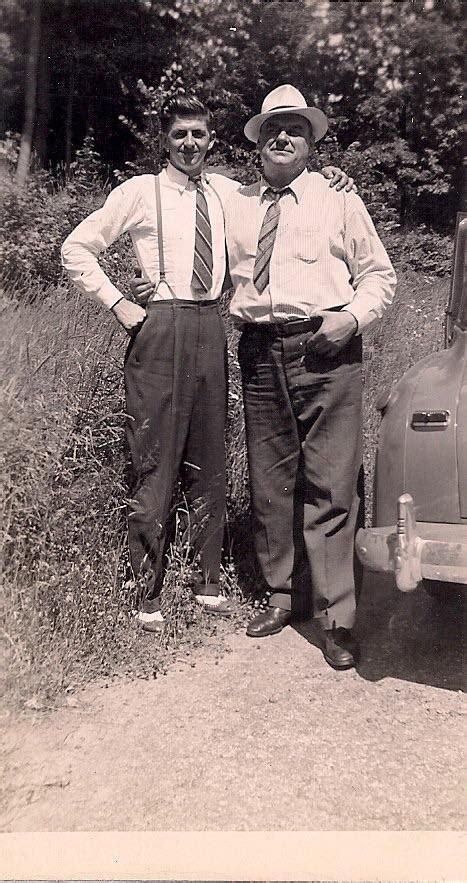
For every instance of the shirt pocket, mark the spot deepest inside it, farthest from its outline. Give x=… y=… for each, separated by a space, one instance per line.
x=307 y=244
x=247 y=243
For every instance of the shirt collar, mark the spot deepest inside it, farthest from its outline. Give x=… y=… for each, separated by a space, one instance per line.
x=179 y=180
x=297 y=186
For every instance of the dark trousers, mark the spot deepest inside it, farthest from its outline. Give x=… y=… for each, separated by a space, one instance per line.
x=175 y=384
x=303 y=423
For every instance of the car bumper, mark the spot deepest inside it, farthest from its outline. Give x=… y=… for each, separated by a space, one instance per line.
x=413 y=550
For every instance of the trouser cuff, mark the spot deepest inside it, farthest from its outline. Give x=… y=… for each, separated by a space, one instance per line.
x=282 y=600
x=206 y=589
x=329 y=619
x=151 y=605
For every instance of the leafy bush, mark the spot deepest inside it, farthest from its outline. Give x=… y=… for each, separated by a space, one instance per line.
x=419 y=249
x=35 y=221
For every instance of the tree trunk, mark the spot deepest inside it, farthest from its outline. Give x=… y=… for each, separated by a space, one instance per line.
x=22 y=168
x=69 y=112
x=43 y=99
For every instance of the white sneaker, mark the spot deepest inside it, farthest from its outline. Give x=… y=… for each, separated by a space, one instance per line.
x=150 y=622
x=218 y=605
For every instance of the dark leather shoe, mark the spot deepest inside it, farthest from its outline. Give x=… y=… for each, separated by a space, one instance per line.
x=340 y=649
x=271 y=622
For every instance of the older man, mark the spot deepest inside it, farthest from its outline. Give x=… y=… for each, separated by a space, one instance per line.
x=310 y=274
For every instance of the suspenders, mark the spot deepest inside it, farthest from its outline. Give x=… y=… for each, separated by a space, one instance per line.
x=160 y=239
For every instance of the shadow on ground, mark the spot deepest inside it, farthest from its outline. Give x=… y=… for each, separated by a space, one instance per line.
x=406 y=636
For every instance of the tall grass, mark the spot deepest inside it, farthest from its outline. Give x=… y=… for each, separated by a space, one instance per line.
x=68 y=591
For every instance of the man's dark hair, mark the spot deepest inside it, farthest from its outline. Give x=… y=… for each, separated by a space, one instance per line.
x=183 y=106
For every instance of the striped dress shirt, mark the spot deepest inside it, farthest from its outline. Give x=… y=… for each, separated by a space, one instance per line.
x=131 y=208
x=326 y=254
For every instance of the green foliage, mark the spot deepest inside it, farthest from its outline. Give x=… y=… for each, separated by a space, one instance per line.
x=148 y=101
x=394 y=108
x=31 y=228
x=86 y=172
x=35 y=221
x=388 y=75
x=421 y=250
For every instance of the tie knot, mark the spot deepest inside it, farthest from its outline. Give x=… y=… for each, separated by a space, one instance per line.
x=198 y=182
x=275 y=195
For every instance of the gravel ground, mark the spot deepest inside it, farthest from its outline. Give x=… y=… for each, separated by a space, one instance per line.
x=261 y=735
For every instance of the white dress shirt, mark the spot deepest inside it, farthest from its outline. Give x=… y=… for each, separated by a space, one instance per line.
x=326 y=254
x=131 y=208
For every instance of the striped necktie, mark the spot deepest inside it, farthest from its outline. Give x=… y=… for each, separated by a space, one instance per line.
x=201 y=281
x=267 y=236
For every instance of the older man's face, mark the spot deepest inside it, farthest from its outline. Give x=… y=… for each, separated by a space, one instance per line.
x=285 y=142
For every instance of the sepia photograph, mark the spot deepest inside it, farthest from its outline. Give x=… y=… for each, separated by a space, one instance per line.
x=234 y=438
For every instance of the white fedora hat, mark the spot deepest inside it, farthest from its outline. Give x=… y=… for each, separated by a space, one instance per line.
x=286 y=99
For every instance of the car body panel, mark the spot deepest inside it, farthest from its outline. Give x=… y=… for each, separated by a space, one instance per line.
x=422 y=461
x=461 y=441
x=431 y=454
x=420 y=511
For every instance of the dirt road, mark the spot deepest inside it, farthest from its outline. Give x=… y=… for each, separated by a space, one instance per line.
x=264 y=736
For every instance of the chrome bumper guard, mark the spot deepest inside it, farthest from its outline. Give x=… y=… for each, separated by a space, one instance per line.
x=411 y=553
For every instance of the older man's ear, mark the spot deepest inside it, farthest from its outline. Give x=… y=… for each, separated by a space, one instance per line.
x=338 y=179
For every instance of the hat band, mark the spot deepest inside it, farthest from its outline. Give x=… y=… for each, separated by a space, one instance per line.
x=285 y=107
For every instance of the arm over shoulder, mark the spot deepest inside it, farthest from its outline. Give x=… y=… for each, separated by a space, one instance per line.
x=223 y=186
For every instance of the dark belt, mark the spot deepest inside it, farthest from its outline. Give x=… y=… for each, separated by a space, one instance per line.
x=293 y=326
x=181 y=303
x=284 y=329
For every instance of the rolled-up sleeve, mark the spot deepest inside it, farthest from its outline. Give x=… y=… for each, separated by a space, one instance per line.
x=120 y=213
x=372 y=275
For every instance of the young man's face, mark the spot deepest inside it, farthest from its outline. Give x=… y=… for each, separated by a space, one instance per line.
x=285 y=142
x=187 y=140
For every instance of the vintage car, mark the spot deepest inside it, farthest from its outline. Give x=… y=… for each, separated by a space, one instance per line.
x=420 y=505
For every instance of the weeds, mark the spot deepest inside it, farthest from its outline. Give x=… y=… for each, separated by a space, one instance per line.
x=68 y=591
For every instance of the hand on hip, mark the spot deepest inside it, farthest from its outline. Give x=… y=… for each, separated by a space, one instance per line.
x=334 y=332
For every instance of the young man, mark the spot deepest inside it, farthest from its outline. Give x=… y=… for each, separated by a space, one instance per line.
x=175 y=366
x=310 y=274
